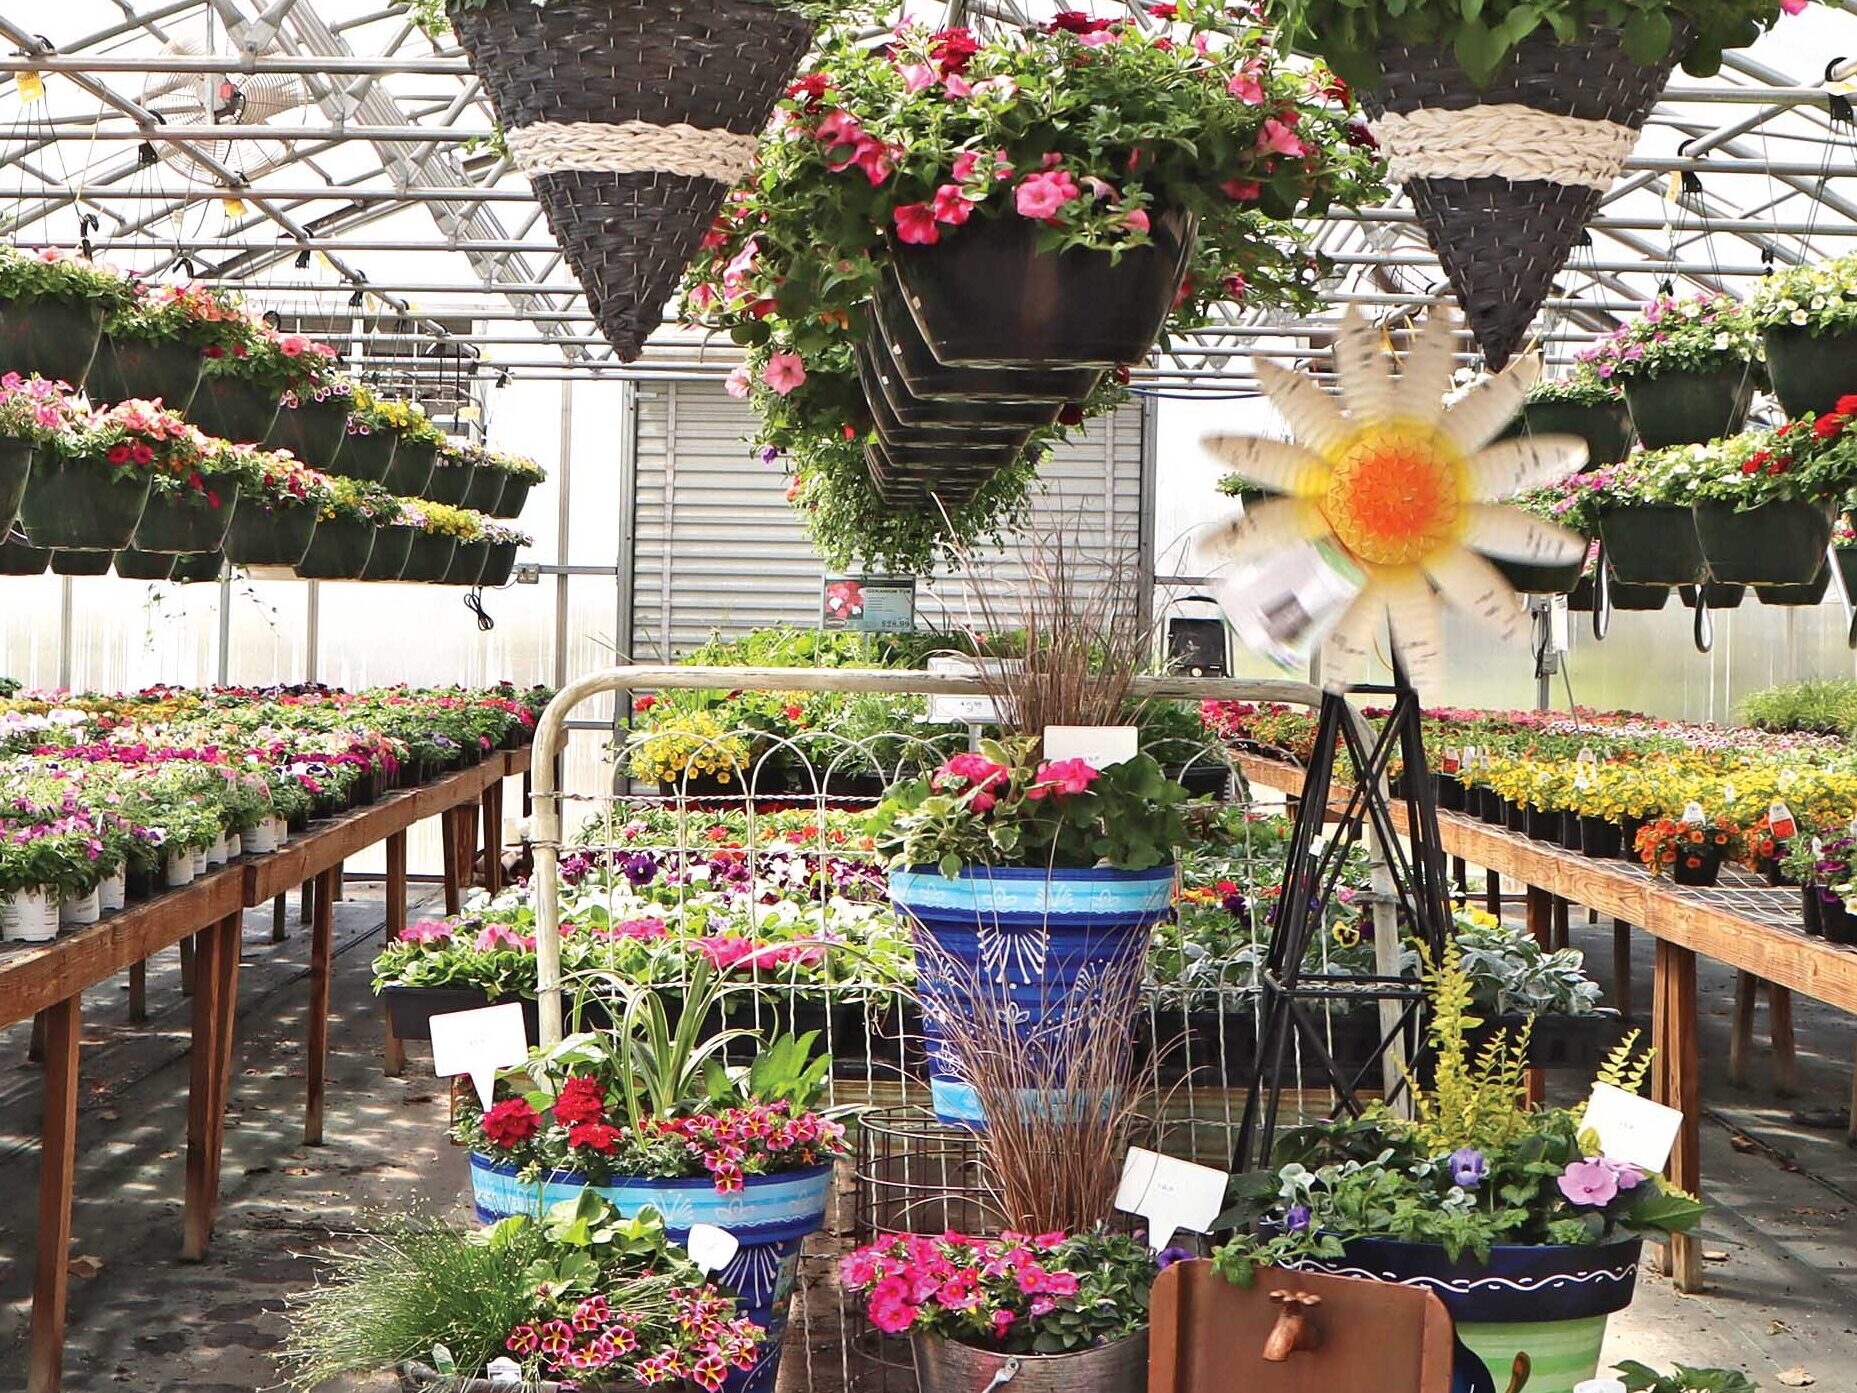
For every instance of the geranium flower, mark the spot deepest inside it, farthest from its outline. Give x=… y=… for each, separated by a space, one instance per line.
x=581 y=1099
x=511 y=1123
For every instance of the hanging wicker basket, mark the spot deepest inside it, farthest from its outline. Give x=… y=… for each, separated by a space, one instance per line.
x=631 y=119
x=1505 y=177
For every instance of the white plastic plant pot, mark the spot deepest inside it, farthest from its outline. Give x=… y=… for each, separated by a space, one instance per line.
x=28 y=916
x=216 y=854
x=77 y=910
x=235 y=846
x=178 y=869
x=202 y=858
x=261 y=838
x=280 y=831
x=113 y=894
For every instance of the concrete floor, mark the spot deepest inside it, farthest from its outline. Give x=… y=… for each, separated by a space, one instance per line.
x=1782 y=1268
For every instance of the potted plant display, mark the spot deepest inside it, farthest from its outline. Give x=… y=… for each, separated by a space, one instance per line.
x=91 y=483
x=437 y=530
x=512 y=476
x=1691 y=850
x=1042 y=874
x=453 y=472
x=1648 y=542
x=1689 y=368
x=394 y=533
x=576 y=1296
x=191 y=504
x=1529 y=1236
x=1583 y=404
x=243 y=379
x=347 y=527
x=1573 y=503
x=1064 y=1310
x=503 y=542
x=312 y=415
x=642 y=1116
x=415 y=441
x=473 y=553
x=52 y=308
x=278 y=512
x=150 y=350
x=1807 y=318
x=33 y=412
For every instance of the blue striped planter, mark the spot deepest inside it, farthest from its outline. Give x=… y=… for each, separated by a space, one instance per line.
x=1547 y=1301
x=1040 y=938
x=771 y=1217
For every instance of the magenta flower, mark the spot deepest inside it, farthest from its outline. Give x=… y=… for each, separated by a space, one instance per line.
x=1041 y=195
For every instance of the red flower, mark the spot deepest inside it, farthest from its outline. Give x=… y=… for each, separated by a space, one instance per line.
x=118 y=454
x=793 y=712
x=212 y=499
x=1825 y=427
x=811 y=87
x=598 y=1135
x=950 y=207
x=141 y=453
x=952 y=49
x=581 y=1100
x=643 y=704
x=511 y=1122
x=1164 y=11
x=1241 y=190
x=1846 y=405
x=1075 y=22
x=915 y=224
x=1070 y=414
x=213 y=350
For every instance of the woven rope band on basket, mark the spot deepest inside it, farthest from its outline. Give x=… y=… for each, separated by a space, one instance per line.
x=632 y=147
x=1504 y=140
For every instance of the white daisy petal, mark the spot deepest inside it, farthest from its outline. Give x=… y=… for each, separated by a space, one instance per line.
x=1276 y=524
x=1348 y=651
x=1362 y=366
x=1425 y=375
x=1313 y=415
x=1485 y=410
x=1280 y=465
x=1477 y=588
x=1418 y=633
x=1509 y=467
x=1514 y=536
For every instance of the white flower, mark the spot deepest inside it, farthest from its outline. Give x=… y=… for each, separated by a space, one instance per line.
x=1797 y=316
x=1722 y=340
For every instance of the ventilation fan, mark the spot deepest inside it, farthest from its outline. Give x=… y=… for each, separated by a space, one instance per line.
x=231 y=98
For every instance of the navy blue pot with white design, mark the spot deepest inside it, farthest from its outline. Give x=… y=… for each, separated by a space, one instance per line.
x=1547 y=1301
x=1038 y=937
x=770 y=1216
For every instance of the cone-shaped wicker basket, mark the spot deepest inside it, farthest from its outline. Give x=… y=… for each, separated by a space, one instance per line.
x=631 y=119
x=1503 y=214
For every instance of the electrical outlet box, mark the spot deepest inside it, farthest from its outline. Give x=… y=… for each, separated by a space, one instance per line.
x=528 y=574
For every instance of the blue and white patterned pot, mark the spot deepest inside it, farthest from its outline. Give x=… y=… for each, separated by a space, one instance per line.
x=1546 y=1301
x=770 y=1216
x=1041 y=938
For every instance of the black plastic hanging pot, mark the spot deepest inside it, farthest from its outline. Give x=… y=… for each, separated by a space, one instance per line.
x=499 y=564
x=1651 y=544
x=1774 y=544
x=314 y=431
x=514 y=497
x=366 y=456
x=1006 y=443
x=392 y=545
x=1810 y=371
x=485 y=494
x=429 y=558
x=467 y=563
x=986 y=296
x=1846 y=558
x=17 y=558
x=1713 y=594
x=1538 y=580
x=196 y=567
x=898 y=341
x=1639 y=598
x=54 y=338
x=1796 y=596
x=176 y=522
x=882 y=380
x=913 y=478
x=451 y=481
x=1580 y=598
x=163 y=370
x=411 y=469
x=1605 y=427
x=76 y=505
x=144 y=565
x=235 y=409
x=15 y=469
x=1689 y=408
x=81 y=563
x=265 y=535
x=339 y=550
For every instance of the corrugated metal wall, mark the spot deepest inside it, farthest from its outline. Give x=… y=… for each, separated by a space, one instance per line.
x=717 y=547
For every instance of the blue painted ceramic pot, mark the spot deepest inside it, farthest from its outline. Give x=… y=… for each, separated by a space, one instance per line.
x=770 y=1216
x=1548 y=1302
x=1040 y=938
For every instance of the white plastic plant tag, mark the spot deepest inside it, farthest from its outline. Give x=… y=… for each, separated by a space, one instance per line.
x=1170 y=1194
x=479 y=1043
x=1692 y=813
x=1586 y=755
x=1599 y=1385
x=1452 y=760
x=1780 y=821
x=503 y=1369
x=1097 y=746
x=711 y=1248
x=1728 y=791
x=1632 y=1129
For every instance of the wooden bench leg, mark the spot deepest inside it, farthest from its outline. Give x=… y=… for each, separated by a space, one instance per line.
x=493 y=837
x=341 y=882
x=1460 y=874
x=1741 y=1037
x=306 y=900
x=1850 y=1136
x=393 y=1058
x=1563 y=934
x=1780 y=1033
x=57 y=1172
x=280 y=918
x=1677 y=1071
x=1540 y=906
x=231 y=933
x=35 y=1047
x=1621 y=967
x=187 y=966
x=448 y=840
x=202 y=1096
x=322 y=952
x=1492 y=892
x=138 y=992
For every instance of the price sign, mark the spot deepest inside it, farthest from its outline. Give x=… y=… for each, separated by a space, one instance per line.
x=869 y=604
x=479 y=1043
x=1170 y=1194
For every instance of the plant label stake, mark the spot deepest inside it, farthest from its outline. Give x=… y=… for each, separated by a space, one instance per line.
x=711 y=1248
x=479 y=1043
x=1632 y=1129
x=1098 y=746
x=1170 y=1194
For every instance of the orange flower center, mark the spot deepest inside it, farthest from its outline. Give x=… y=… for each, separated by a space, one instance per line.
x=1395 y=495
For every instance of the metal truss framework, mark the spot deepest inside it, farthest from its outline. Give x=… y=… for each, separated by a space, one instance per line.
x=382 y=207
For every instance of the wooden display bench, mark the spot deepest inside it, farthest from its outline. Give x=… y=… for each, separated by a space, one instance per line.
x=46 y=982
x=1745 y=925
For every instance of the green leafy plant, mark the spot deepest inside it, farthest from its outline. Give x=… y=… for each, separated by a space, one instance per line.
x=1581 y=387
x=406 y=419
x=58 y=275
x=1641 y=1378
x=1705 y=333
x=1820 y=298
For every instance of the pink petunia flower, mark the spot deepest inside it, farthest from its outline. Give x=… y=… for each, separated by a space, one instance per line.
x=1041 y=195
x=784 y=372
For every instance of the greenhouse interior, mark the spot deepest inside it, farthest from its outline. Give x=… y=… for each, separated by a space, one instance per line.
x=1138 y=741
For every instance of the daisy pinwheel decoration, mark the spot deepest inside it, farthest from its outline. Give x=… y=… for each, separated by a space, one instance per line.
x=1404 y=486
